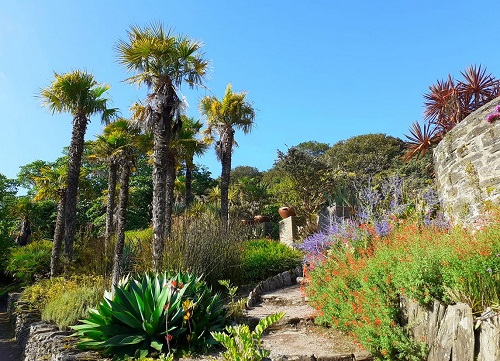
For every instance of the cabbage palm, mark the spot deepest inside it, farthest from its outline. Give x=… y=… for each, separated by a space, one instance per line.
x=162 y=62
x=223 y=117
x=79 y=94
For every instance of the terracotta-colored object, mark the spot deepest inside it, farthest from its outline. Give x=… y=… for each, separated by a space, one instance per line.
x=286 y=212
x=261 y=219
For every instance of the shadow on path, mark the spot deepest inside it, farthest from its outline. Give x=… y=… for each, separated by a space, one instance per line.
x=8 y=347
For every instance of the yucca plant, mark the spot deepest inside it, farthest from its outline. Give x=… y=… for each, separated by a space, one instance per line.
x=153 y=313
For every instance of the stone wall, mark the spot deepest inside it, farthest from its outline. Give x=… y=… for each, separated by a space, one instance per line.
x=39 y=340
x=451 y=333
x=467 y=165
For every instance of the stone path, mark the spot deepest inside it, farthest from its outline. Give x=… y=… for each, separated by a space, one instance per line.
x=296 y=337
x=7 y=342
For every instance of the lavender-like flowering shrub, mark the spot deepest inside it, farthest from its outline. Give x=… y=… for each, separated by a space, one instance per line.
x=376 y=212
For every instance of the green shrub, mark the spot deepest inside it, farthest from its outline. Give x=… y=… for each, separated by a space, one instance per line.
x=358 y=290
x=71 y=306
x=154 y=314
x=264 y=258
x=244 y=345
x=30 y=262
x=64 y=301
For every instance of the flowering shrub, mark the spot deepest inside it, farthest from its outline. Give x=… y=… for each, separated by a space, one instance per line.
x=358 y=290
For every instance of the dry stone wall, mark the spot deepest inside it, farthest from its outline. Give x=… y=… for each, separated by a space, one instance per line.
x=451 y=333
x=467 y=165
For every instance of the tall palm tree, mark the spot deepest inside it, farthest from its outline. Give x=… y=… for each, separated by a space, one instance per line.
x=51 y=184
x=128 y=143
x=189 y=146
x=108 y=148
x=224 y=116
x=162 y=62
x=79 y=94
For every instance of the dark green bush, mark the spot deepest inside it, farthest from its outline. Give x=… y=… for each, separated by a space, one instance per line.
x=264 y=258
x=30 y=262
x=154 y=314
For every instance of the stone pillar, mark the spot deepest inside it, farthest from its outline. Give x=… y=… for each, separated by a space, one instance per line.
x=288 y=230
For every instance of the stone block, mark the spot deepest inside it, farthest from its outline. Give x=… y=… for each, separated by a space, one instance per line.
x=289 y=230
x=455 y=337
x=489 y=339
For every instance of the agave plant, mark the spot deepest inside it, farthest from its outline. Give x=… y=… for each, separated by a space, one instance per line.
x=153 y=313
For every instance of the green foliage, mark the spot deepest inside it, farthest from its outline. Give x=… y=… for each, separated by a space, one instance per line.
x=30 y=262
x=264 y=258
x=243 y=345
x=72 y=305
x=358 y=290
x=197 y=243
x=44 y=291
x=8 y=191
x=365 y=155
x=153 y=313
x=234 y=307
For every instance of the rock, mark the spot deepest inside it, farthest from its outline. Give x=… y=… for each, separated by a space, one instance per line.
x=455 y=337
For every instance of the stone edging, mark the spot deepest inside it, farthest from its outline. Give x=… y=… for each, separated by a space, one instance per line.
x=283 y=279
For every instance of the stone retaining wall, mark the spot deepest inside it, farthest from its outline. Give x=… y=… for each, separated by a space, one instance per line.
x=38 y=340
x=451 y=333
x=467 y=166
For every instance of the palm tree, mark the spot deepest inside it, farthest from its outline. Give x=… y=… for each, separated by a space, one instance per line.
x=189 y=146
x=162 y=62
x=127 y=143
x=224 y=116
x=79 y=94
x=51 y=184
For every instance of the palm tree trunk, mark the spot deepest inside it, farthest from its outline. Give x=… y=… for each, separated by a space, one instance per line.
x=189 y=183
x=171 y=162
x=120 y=227
x=55 y=264
x=110 y=208
x=226 y=153
x=74 y=164
x=160 y=149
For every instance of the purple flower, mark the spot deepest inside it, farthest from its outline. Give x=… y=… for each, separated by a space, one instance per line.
x=493 y=116
x=383 y=228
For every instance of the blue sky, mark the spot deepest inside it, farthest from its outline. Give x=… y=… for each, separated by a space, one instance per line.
x=323 y=70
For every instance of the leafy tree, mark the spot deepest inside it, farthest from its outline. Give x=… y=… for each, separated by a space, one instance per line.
x=80 y=95
x=223 y=117
x=8 y=190
x=308 y=178
x=245 y=171
x=313 y=148
x=202 y=181
x=365 y=156
x=162 y=62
